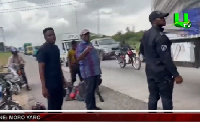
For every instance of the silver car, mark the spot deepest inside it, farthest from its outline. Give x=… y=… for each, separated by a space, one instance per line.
x=106 y=47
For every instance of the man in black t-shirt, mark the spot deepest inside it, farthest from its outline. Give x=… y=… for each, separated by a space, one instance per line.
x=124 y=47
x=51 y=74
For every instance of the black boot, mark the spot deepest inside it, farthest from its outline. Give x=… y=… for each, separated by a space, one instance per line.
x=28 y=88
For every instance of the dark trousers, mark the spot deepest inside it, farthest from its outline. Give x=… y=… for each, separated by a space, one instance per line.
x=90 y=87
x=24 y=77
x=74 y=72
x=55 y=99
x=163 y=89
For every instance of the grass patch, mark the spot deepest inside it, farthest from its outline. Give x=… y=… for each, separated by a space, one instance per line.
x=4 y=59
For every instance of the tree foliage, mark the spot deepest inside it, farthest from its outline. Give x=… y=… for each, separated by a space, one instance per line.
x=132 y=38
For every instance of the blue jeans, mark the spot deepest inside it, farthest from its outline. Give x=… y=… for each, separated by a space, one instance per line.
x=90 y=87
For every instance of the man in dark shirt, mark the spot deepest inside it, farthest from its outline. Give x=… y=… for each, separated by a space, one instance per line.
x=160 y=69
x=124 y=47
x=51 y=74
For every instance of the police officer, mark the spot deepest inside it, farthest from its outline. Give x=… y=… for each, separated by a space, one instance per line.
x=160 y=69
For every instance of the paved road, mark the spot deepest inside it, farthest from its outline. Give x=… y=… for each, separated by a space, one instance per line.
x=133 y=83
x=113 y=99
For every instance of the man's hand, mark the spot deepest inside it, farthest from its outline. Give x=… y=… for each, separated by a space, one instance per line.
x=178 y=79
x=45 y=92
x=88 y=49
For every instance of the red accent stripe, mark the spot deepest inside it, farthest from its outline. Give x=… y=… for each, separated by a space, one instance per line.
x=110 y=117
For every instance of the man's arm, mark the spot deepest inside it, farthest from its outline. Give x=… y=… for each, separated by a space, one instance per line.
x=82 y=54
x=69 y=61
x=21 y=60
x=141 y=48
x=9 y=61
x=41 y=58
x=42 y=73
x=63 y=78
x=142 y=43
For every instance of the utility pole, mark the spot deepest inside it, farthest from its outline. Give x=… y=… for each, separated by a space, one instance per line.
x=98 y=22
x=2 y=35
x=2 y=32
x=76 y=17
x=77 y=27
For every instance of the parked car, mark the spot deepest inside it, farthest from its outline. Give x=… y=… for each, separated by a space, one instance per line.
x=106 y=47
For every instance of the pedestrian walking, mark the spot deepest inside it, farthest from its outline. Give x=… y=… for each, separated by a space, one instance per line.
x=73 y=66
x=89 y=67
x=51 y=74
x=160 y=70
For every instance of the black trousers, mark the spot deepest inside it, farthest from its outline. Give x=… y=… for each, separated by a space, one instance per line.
x=74 y=72
x=24 y=77
x=55 y=99
x=163 y=89
x=90 y=87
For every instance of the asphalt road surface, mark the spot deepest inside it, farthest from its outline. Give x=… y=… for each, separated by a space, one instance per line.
x=129 y=82
x=134 y=84
x=113 y=99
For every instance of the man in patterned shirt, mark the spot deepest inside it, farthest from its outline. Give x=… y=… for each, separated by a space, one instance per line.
x=89 y=67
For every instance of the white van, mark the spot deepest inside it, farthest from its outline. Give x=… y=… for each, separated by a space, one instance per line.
x=63 y=42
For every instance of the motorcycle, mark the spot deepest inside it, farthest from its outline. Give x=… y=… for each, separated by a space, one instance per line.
x=128 y=58
x=21 y=74
x=6 y=87
x=16 y=77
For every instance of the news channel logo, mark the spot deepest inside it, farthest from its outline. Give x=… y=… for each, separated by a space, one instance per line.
x=186 y=22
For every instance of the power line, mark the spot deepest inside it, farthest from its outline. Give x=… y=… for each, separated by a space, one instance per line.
x=42 y=5
x=12 y=1
x=28 y=9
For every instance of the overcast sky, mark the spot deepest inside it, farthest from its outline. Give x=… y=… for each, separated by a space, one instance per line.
x=27 y=26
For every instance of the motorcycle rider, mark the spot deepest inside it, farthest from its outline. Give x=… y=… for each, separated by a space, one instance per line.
x=124 y=47
x=18 y=60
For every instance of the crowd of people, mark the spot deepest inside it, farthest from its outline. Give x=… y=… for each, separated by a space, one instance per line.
x=84 y=61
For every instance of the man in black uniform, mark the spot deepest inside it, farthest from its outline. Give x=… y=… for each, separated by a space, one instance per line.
x=160 y=69
x=51 y=75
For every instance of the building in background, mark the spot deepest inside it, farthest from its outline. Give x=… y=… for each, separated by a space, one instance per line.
x=192 y=7
x=185 y=42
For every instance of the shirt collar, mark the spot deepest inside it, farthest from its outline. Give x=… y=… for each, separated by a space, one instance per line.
x=158 y=28
x=83 y=41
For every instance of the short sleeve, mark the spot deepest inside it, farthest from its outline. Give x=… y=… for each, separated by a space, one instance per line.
x=41 y=56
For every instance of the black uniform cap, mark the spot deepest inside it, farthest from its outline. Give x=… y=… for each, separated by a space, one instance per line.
x=157 y=14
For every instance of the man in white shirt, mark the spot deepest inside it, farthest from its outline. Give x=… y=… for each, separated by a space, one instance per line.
x=18 y=60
